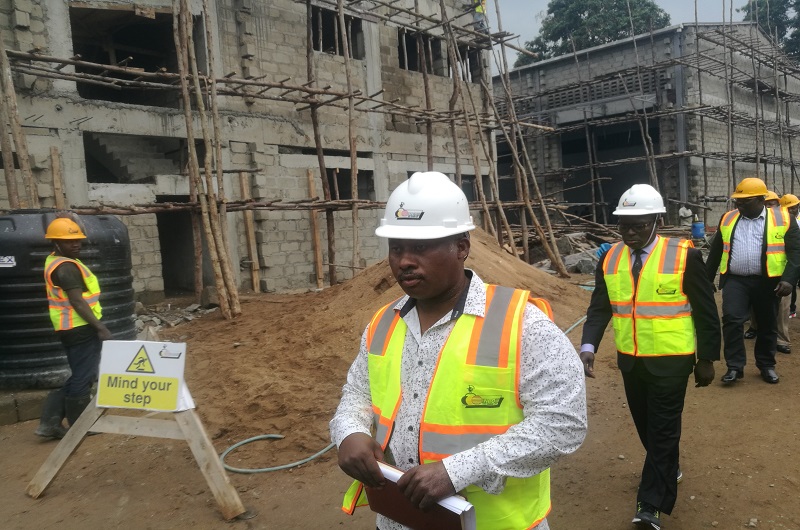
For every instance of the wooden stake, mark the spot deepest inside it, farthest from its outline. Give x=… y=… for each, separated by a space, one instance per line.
x=250 y=230
x=312 y=190
x=8 y=159
x=58 y=180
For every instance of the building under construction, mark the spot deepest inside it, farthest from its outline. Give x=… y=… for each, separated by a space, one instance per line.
x=691 y=109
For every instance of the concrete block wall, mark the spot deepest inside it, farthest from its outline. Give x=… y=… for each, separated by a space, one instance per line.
x=145 y=256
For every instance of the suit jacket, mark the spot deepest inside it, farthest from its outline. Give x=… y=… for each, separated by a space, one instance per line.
x=700 y=293
x=792 y=249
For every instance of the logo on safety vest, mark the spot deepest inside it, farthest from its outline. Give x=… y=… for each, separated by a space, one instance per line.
x=665 y=290
x=471 y=400
x=401 y=214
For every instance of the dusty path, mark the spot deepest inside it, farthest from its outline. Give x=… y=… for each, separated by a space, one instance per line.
x=279 y=369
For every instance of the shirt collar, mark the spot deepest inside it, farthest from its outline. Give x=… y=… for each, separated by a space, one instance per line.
x=762 y=215
x=472 y=300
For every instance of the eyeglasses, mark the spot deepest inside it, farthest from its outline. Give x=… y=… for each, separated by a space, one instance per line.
x=634 y=227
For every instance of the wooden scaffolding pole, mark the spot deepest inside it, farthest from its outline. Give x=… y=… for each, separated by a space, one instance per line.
x=8 y=158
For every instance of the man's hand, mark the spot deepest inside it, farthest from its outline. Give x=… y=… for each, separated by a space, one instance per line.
x=426 y=484
x=358 y=457
x=783 y=289
x=103 y=333
x=587 y=358
x=703 y=372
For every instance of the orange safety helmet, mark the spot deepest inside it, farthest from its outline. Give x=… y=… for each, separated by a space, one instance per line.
x=789 y=200
x=750 y=187
x=63 y=228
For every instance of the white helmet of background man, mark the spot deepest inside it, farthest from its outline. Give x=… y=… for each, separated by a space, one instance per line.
x=426 y=206
x=640 y=199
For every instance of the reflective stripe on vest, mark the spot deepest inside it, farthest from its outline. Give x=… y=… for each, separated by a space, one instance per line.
x=62 y=314
x=777 y=220
x=657 y=321
x=473 y=396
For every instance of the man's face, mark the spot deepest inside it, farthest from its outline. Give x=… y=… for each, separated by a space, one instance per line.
x=427 y=269
x=69 y=248
x=750 y=207
x=637 y=230
x=793 y=210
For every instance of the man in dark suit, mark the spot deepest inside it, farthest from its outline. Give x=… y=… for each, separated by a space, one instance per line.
x=757 y=251
x=663 y=309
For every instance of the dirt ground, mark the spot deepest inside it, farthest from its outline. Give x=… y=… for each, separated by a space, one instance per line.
x=279 y=369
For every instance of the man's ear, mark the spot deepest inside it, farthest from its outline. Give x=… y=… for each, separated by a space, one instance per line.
x=463 y=246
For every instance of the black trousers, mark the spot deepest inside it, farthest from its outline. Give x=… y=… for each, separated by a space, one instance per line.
x=656 y=405
x=738 y=294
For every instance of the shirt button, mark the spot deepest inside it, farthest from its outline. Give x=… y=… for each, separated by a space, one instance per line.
x=419 y=363
x=410 y=460
x=416 y=395
x=410 y=428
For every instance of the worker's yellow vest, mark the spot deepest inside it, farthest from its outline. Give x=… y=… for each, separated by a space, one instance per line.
x=777 y=226
x=62 y=314
x=473 y=397
x=655 y=318
x=480 y=6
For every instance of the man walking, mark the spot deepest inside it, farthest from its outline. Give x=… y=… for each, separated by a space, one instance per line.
x=757 y=250
x=656 y=291
x=73 y=293
x=466 y=387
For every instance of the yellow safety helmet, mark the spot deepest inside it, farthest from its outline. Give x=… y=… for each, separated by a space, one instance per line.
x=63 y=228
x=789 y=200
x=771 y=196
x=750 y=187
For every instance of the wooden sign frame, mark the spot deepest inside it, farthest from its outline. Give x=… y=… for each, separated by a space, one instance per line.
x=183 y=425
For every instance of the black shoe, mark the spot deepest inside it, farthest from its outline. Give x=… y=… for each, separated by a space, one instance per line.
x=647 y=516
x=784 y=349
x=769 y=375
x=732 y=375
x=750 y=334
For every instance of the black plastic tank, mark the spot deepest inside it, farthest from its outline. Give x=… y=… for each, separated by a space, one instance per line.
x=31 y=356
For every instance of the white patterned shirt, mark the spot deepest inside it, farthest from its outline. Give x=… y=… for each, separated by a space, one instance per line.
x=551 y=388
x=746 y=246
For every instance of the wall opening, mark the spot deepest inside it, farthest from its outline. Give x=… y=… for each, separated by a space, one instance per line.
x=140 y=43
x=341 y=186
x=432 y=56
x=327 y=37
x=131 y=159
x=177 y=249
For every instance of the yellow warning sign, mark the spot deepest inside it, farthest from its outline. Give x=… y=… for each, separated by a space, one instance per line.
x=141 y=363
x=138 y=392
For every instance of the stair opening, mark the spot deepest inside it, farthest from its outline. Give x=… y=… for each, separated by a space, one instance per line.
x=131 y=159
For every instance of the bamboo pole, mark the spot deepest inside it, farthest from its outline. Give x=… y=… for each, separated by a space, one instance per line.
x=250 y=231
x=312 y=190
x=231 y=290
x=8 y=159
x=181 y=42
x=197 y=241
x=323 y=172
x=351 y=129
x=10 y=101
x=58 y=180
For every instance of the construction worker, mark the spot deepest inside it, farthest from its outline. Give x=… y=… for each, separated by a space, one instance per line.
x=73 y=293
x=757 y=250
x=792 y=204
x=685 y=214
x=770 y=201
x=480 y=23
x=662 y=305
x=467 y=387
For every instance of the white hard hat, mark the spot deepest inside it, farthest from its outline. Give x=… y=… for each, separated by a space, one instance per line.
x=640 y=199
x=426 y=206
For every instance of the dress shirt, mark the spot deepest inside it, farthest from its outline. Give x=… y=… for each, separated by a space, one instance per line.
x=551 y=390
x=645 y=254
x=686 y=216
x=745 y=258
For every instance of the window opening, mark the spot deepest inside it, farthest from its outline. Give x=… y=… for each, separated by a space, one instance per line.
x=341 y=186
x=326 y=33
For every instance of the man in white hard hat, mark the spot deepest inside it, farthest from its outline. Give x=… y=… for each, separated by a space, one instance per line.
x=465 y=387
x=665 y=321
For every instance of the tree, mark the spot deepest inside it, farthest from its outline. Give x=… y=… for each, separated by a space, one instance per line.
x=591 y=23
x=777 y=18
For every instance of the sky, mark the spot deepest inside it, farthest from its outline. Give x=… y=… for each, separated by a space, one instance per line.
x=523 y=17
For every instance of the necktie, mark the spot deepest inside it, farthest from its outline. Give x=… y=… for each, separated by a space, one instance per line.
x=637 y=265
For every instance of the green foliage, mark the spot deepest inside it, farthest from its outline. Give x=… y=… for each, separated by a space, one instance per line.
x=779 y=18
x=591 y=23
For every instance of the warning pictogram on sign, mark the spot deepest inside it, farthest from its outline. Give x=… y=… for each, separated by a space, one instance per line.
x=141 y=363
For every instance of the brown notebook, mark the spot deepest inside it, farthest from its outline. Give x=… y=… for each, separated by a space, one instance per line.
x=452 y=513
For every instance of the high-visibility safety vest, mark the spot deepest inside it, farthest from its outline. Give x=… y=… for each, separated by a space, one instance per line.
x=472 y=397
x=654 y=318
x=62 y=314
x=480 y=6
x=777 y=226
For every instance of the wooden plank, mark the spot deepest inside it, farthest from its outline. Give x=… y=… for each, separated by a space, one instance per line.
x=210 y=464
x=151 y=427
x=250 y=229
x=312 y=190
x=58 y=178
x=68 y=445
